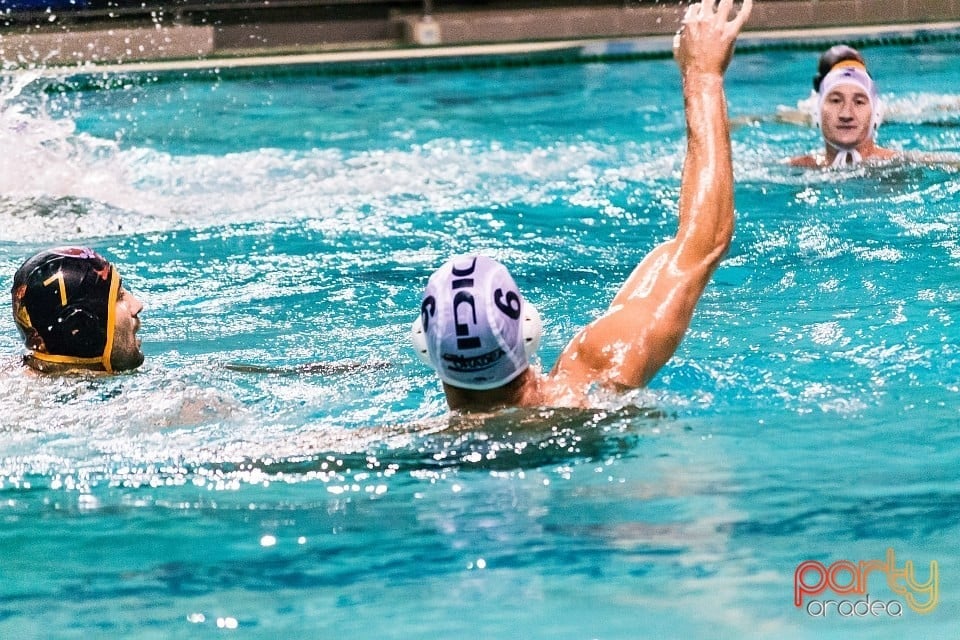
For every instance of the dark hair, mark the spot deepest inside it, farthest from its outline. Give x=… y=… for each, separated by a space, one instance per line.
x=830 y=57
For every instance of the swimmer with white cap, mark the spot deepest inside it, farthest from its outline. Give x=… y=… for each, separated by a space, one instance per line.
x=477 y=330
x=74 y=314
x=848 y=112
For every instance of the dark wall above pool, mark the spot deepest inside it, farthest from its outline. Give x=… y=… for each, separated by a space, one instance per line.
x=71 y=32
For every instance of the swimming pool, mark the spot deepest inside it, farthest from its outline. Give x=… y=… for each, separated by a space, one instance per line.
x=276 y=221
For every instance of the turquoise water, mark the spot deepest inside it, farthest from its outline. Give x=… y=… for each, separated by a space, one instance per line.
x=280 y=222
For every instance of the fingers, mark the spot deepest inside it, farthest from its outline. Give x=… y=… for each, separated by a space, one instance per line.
x=743 y=14
x=733 y=27
x=724 y=7
x=688 y=17
x=703 y=13
x=705 y=10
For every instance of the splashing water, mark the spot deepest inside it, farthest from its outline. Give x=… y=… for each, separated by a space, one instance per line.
x=282 y=461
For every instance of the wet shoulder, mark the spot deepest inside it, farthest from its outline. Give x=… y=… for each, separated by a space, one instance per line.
x=806 y=162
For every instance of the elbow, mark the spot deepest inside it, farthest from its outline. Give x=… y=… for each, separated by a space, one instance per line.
x=722 y=239
x=724 y=233
x=706 y=243
x=723 y=243
x=715 y=257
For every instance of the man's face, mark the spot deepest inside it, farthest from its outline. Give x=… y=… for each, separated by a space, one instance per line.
x=846 y=116
x=126 y=352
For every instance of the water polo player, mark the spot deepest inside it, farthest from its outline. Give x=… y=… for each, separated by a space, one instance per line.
x=476 y=329
x=74 y=314
x=847 y=110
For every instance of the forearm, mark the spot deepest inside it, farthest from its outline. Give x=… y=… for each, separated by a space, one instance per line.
x=706 y=192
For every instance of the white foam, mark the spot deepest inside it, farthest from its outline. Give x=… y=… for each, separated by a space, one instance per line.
x=912 y=108
x=57 y=181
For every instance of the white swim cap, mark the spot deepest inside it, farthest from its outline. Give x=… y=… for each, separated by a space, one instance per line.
x=855 y=73
x=475 y=328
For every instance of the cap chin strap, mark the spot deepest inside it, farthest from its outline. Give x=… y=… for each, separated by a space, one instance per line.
x=845 y=157
x=849 y=155
x=103 y=360
x=532 y=328
x=58 y=359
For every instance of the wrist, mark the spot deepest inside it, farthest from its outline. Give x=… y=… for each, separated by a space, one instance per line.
x=702 y=84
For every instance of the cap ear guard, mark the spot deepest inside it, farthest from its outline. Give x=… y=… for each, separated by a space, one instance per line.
x=419 y=340
x=877 y=116
x=532 y=328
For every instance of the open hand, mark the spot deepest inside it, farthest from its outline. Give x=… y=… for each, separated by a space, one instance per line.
x=706 y=37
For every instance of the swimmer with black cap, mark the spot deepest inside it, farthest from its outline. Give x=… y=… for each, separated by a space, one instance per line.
x=848 y=111
x=74 y=314
x=477 y=330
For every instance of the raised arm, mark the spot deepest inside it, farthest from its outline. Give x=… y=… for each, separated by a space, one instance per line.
x=650 y=314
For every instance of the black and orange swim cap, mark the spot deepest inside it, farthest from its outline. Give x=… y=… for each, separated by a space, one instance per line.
x=63 y=306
